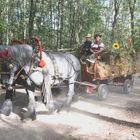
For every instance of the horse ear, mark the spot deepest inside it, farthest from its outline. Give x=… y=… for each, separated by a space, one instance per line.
x=41 y=63
x=15 y=42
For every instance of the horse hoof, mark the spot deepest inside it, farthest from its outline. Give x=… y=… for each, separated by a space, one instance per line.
x=29 y=115
x=51 y=109
x=7 y=107
x=33 y=117
x=4 y=112
x=67 y=107
x=59 y=108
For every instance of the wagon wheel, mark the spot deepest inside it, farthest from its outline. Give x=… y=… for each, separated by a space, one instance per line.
x=127 y=86
x=102 y=92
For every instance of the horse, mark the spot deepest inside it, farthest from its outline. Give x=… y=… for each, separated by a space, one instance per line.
x=22 y=69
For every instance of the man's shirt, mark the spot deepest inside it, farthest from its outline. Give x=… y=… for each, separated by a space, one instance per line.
x=86 y=47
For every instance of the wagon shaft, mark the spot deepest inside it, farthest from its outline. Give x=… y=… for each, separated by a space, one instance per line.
x=86 y=84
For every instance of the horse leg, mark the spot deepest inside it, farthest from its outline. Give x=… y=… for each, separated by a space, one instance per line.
x=70 y=95
x=73 y=90
x=14 y=69
x=31 y=112
x=7 y=106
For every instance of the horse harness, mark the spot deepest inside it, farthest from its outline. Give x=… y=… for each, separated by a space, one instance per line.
x=57 y=74
x=56 y=71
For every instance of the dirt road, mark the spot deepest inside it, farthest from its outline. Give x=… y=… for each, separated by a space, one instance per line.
x=117 y=118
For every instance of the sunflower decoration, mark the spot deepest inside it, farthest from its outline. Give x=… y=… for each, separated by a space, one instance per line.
x=116 y=46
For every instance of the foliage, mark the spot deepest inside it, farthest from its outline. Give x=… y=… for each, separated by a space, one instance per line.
x=64 y=23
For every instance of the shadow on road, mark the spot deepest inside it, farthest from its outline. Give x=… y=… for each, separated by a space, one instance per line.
x=30 y=131
x=106 y=118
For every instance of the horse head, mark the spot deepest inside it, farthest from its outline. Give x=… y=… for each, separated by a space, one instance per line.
x=14 y=58
x=19 y=56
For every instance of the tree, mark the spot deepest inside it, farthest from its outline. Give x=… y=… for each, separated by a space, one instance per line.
x=32 y=16
x=131 y=4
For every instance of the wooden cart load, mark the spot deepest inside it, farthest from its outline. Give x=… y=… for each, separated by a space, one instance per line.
x=118 y=66
x=110 y=68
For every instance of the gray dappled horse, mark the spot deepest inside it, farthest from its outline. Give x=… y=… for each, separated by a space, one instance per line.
x=22 y=70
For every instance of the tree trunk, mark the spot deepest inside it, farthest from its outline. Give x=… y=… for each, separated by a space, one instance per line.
x=61 y=23
x=25 y=28
x=58 y=25
x=116 y=6
x=132 y=9
x=32 y=16
x=7 y=21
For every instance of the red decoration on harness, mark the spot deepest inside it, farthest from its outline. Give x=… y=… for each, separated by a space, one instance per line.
x=5 y=54
x=41 y=62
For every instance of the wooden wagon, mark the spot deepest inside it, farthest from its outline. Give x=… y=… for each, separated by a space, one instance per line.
x=108 y=70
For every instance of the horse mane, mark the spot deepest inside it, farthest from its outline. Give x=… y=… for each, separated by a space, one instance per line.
x=21 y=54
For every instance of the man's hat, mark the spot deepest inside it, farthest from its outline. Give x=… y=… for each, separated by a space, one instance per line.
x=88 y=35
x=96 y=35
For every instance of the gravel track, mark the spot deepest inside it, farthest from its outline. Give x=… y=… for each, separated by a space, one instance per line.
x=117 y=118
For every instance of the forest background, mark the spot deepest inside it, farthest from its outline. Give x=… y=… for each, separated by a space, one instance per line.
x=64 y=23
